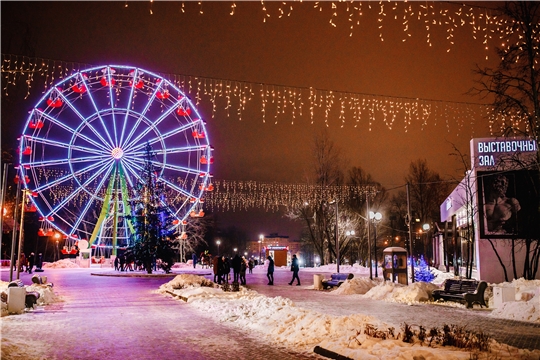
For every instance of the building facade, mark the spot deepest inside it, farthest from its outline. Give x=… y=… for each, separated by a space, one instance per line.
x=493 y=209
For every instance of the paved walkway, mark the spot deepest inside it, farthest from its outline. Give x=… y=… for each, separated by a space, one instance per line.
x=119 y=316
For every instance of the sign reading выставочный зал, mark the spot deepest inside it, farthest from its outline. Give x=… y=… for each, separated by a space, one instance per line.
x=498 y=153
x=504 y=178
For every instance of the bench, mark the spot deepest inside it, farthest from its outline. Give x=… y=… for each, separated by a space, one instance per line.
x=31 y=296
x=469 y=291
x=336 y=280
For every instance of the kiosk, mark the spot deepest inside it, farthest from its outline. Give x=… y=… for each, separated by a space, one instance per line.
x=395 y=265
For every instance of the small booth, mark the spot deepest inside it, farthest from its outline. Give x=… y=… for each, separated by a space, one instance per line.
x=395 y=265
x=280 y=254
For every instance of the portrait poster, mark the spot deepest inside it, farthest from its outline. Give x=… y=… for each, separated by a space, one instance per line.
x=507 y=203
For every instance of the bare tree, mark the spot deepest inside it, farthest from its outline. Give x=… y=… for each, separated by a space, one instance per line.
x=325 y=170
x=428 y=190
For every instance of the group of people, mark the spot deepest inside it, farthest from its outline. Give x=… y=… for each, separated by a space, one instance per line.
x=222 y=267
x=270 y=270
x=26 y=264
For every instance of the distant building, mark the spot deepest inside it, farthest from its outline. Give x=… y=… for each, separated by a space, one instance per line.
x=280 y=247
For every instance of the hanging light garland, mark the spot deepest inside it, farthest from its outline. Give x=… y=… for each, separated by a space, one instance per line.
x=224 y=195
x=276 y=101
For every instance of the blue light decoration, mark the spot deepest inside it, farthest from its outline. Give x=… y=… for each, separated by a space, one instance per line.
x=423 y=273
x=82 y=150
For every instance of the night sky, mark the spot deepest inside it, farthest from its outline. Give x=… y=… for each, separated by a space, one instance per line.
x=300 y=50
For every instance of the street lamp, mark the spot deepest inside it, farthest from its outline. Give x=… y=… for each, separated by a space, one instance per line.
x=235 y=250
x=218 y=242
x=337 y=233
x=261 y=239
x=375 y=218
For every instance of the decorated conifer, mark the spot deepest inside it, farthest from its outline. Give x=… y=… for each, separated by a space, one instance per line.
x=155 y=242
x=423 y=273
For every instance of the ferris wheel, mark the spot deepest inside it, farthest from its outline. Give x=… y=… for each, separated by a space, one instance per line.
x=84 y=147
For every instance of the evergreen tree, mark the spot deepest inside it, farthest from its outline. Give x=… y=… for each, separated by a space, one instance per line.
x=156 y=241
x=423 y=273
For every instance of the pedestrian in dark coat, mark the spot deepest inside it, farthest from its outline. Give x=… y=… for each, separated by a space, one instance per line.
x=194 y=257
x=295 y=268
x=226 y=269
x=30 y=265
x=116 y=263
x=270 y=270
x=217 y=265
x=236 y=263
x=250 y=266
x=243 y=268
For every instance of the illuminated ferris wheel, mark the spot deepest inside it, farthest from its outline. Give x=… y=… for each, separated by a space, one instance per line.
x=84 y=147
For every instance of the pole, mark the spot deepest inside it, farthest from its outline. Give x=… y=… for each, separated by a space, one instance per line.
x=375 y=246
x=14 y=231
x=337 y=237
x=3 y=196
x=369 y=236
x=410 y=232
x=21 y=230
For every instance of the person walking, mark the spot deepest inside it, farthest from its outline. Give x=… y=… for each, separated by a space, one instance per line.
x=243 y=268
x=236 y=264
x=30 y=265
x=194 y=258
x=250 y=266
x=217 y=266
x=270 y=270
x=226 y=269
x=295 y=268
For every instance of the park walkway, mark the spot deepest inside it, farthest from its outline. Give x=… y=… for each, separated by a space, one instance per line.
x=119 y=316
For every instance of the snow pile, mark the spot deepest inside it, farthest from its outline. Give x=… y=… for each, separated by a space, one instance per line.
x=279 y=321
x=46 y=295
x=357 y=285
x=413 y=293
x=61 y=264
x=527 y=304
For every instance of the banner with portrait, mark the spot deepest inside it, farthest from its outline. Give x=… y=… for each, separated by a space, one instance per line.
x=508 y=204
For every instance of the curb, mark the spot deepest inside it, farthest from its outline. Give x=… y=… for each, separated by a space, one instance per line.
x=329 y=354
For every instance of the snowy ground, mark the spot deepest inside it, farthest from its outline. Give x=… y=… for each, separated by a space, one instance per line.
x=279 y=320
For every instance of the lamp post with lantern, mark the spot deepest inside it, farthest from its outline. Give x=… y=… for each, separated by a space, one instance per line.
x=218 y=242
x=375 y=217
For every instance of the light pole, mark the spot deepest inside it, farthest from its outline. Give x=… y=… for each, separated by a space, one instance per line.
x=218 y=242
x=261 y=239
x=337 y=233
x=375 y=217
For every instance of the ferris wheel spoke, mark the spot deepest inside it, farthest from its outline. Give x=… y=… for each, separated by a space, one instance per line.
x=81 y=189
x=59 y=144
x=131 y=92
x=45 y=163
x=112 y=110
x=90 y=202
x=170 y=151
x=141 y=116
x=71 y=176
x=133 y=169
x=163 y=136
x=84 y=120
x=150 y=128
x=69 y=129
x=176 y=188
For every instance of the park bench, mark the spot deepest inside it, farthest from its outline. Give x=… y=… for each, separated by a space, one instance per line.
x=336 y=280
x=31 y=296
x=462 y=290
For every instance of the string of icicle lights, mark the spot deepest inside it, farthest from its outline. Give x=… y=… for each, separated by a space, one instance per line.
x=276 y=102
x=226 y=195
x=483 y=23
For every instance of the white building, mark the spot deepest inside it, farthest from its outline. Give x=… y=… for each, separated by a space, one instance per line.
x=497 y=201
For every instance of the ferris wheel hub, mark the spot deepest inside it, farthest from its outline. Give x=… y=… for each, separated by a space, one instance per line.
x=117 y=153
